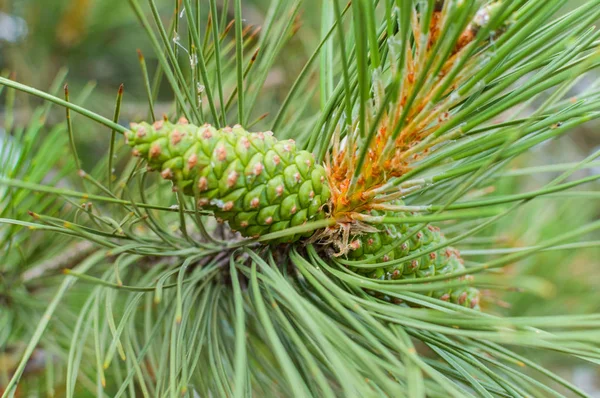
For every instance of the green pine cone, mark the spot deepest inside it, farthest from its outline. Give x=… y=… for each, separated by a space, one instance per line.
x=439 y=262
x=251 y=180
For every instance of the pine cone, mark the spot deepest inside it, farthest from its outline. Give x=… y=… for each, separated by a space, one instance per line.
x=251 y=180
x=439 y=262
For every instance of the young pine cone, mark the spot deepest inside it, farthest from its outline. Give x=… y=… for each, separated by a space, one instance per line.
x=251 y=180
x=438 y=262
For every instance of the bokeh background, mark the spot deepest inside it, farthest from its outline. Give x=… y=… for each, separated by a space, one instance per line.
x=96 y=41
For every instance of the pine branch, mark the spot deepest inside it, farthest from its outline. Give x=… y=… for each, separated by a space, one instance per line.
x=378 y=254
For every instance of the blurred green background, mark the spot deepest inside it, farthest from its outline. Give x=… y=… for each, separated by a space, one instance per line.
x=96 y=40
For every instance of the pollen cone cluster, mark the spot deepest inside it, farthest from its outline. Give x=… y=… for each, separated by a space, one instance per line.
x=390 y=244
x=253 y=181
